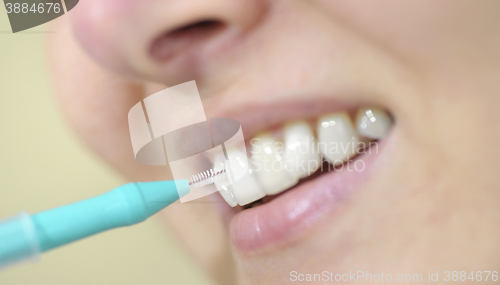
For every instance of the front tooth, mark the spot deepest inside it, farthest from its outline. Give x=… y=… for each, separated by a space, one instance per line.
x=267 y=156
x=373 y=122
x=222 y=183
x=338 y=140
x=244 y=188
x=301 y=157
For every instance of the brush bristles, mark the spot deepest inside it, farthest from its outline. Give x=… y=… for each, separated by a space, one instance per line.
x=206 y=177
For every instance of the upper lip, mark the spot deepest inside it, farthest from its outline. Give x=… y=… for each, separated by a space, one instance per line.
x=256 y=116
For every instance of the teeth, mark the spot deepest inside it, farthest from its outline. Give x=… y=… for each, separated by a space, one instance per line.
x=245 y=187
x=268 y=157
x=373 y=123
x=338 y=140
x=301 y=155
x=275 y=167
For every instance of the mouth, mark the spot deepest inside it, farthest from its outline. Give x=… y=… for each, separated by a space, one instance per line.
x=302 y=167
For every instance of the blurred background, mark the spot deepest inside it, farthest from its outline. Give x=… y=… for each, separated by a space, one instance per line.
x=43 y=165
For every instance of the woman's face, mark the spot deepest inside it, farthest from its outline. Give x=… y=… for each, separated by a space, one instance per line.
x=428 y=197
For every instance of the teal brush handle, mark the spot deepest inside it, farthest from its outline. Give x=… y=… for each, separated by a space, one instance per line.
x=24 y=236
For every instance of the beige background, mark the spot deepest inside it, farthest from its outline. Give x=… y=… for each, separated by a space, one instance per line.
x=43 y=165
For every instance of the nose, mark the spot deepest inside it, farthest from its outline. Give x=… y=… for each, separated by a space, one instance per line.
x=163 y=40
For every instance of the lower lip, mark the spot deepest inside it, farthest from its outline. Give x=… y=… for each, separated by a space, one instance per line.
x=290 y=215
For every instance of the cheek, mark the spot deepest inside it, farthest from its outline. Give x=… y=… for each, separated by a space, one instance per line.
x=391 y=21
x=424 y=31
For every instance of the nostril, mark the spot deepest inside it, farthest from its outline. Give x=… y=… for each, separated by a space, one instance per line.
x=172 y=42
x=201 y=28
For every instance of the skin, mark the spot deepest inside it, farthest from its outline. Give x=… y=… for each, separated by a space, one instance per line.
x=432 y=199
